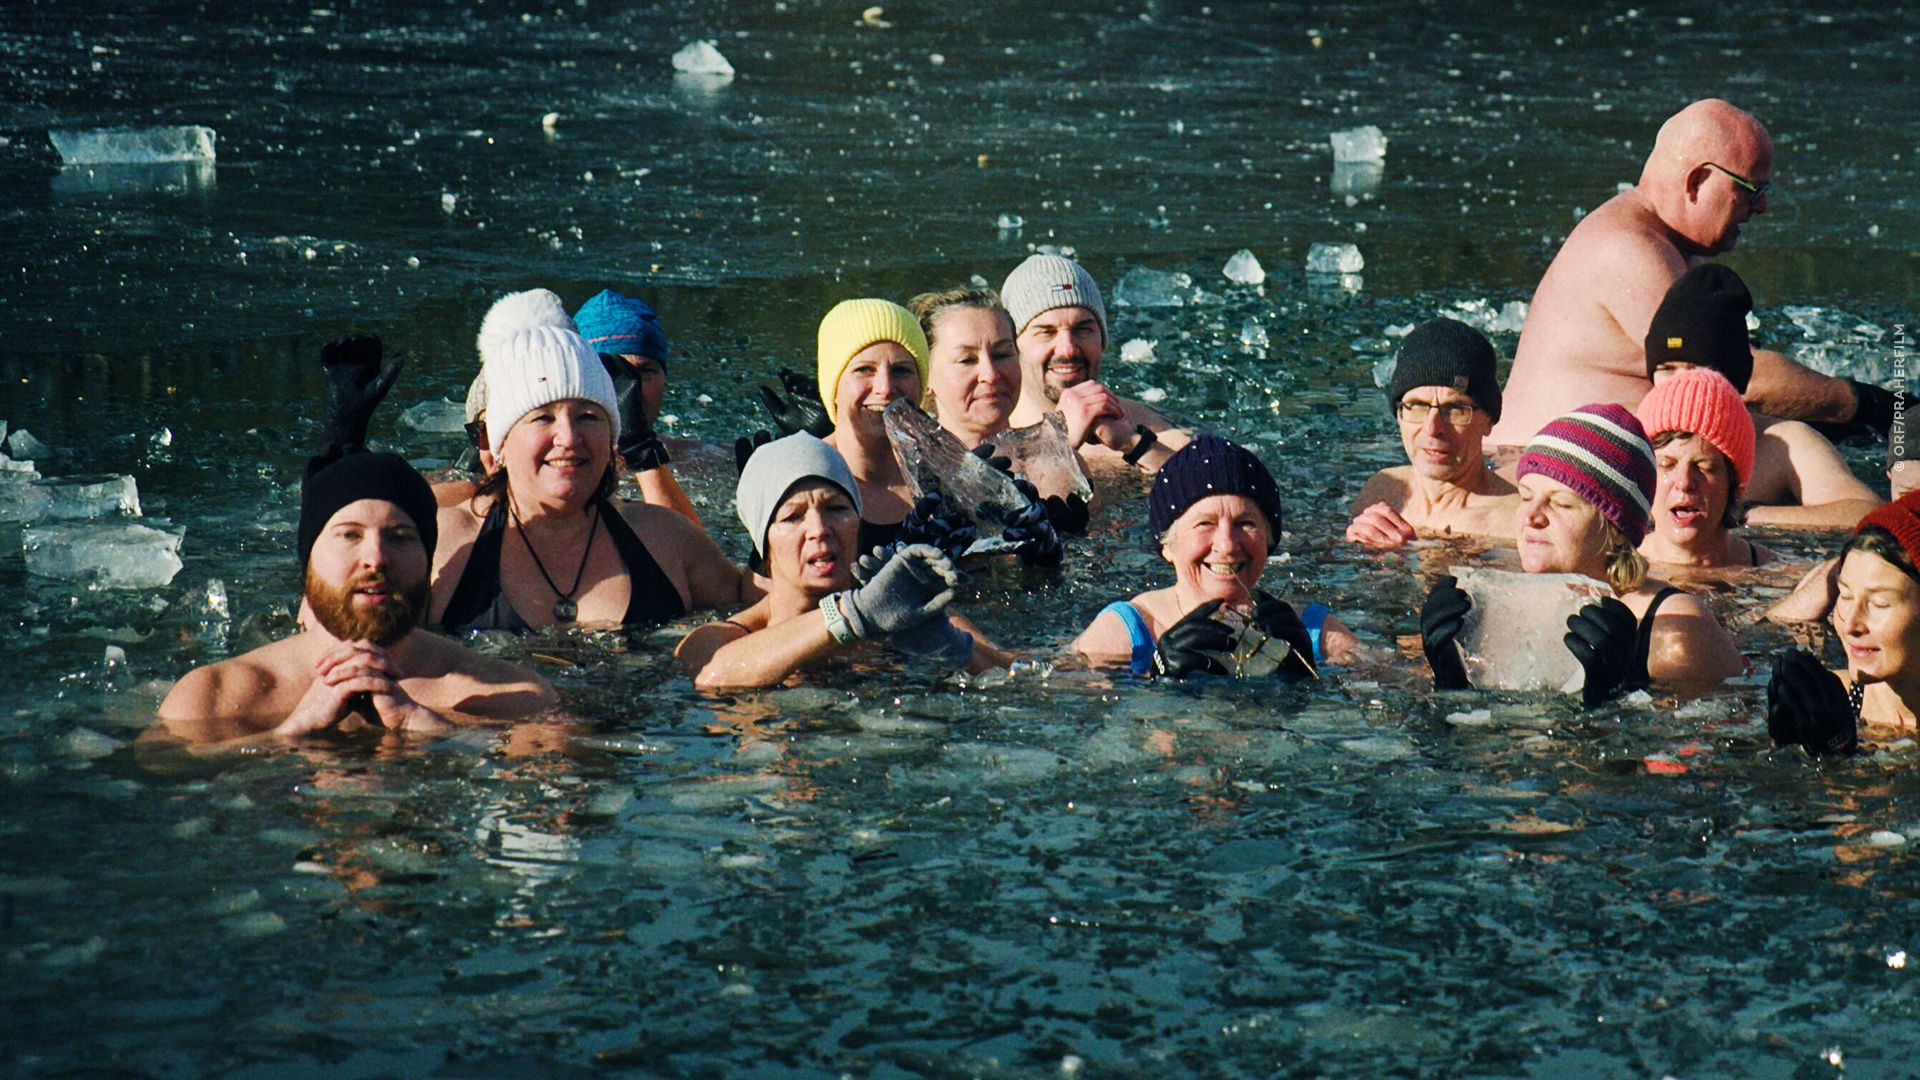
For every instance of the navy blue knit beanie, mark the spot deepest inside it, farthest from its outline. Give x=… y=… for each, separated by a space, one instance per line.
x=1211 y=465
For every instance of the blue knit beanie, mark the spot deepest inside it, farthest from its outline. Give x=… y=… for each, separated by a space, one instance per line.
x=622 y=326
x=1211 y=465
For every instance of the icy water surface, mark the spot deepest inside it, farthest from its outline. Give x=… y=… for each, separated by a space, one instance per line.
x=1055 y=875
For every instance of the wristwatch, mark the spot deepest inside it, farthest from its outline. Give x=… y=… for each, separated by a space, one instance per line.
x=1147 y=441
x=837 y=624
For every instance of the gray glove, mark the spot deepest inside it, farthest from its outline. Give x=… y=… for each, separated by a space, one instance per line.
x=914 y=585
x=937 y=640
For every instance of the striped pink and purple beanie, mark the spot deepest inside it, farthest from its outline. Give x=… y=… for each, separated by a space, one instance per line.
x=1602 y=452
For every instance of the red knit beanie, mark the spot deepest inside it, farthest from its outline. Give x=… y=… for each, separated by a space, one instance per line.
x=1702 y=401
x=1901 y=518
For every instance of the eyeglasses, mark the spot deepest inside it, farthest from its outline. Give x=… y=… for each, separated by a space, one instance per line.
x=1457 y=413
x=1755 y=192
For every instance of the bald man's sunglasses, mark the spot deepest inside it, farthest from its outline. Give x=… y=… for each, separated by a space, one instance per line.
x=1755 y=192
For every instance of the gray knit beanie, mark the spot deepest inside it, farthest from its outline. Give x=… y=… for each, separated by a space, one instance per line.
x=773 y=470
x=1045 y=282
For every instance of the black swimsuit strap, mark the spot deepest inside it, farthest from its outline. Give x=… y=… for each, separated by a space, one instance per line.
x=480 y=581
x=651 y=597
x=1643 y=641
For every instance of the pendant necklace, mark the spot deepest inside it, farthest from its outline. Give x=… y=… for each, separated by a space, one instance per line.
x=564 y=609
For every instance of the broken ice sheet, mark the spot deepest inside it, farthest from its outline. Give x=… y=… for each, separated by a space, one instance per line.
x=22 y=444
x=133 y=146
x=113 y=556
x=1042 y=456
x=1356 y=177
x=78 y=498
x=1335 y=259
x=932 y=458
x=1514 y=635
x=436 y=416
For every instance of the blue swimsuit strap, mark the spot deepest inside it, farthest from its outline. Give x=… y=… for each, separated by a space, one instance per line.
x=1141 y=662
x=1315 y=617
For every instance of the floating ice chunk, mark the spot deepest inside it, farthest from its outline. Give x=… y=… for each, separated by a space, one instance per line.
x=86 y=952
x=1244 y=269
x=88 y=744
x=1359 y=144
x=1513 y=317
x=22 y=444
x=437 y=416
x=1383 y=370
x=1144 y=287
x=1010 y=222
x=1886 y=838
x=701 y=58
x=933 y=458
x=1253 y=336
x=1513 y=638
x=17 y=468
x=1335 y=259
x=1137 y=351
x=1153 y=395
x=79 y=498
x=133 y=146
x=550 y=121
x=113 y=556
x=1356 y=179
x=1042 y=456
x=253 y=924
x=448 y=200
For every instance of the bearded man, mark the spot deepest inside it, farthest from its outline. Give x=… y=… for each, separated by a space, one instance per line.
x=366 y=537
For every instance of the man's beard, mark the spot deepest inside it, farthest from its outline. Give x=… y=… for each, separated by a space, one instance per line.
x=382 y=623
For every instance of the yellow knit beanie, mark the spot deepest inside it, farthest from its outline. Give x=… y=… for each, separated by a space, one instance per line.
x=853 y=325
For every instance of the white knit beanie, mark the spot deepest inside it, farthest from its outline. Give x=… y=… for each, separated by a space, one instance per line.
x=538 y=367
x=508 y=316
x=775 y=468
x=1045 y=282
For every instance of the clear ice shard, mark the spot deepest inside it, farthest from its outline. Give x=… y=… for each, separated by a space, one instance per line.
x=702 y=58
x=1244 y=269
x=133 y=146
x=1358 y=144
x=1253 y=336
x=1514 y=636
x=111 y=556
x=1144 y=287
x=932 y=458
x=436 y=416
x=1042 y=456
x=1137 y=351
x=1335 y=259
x=21 y=499
x=79 y=498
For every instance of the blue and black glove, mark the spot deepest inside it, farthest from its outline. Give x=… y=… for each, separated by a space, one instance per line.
x=936 y=520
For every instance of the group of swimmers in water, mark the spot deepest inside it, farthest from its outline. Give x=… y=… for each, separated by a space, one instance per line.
x=1638 y=425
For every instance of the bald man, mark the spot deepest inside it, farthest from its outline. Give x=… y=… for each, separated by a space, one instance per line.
x=1707 y=176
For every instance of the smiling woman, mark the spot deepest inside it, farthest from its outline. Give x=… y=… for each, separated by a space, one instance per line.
x=870 y=354
x=544 y=540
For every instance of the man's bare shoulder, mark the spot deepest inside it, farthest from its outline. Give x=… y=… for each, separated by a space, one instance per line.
x=1390 y=486
x=247 y=686
x=1624 y=237
x=444 y=674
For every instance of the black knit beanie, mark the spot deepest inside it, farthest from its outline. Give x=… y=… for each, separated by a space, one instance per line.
x=1703 y=320
x=365 y=476
x=1443 y=352
x=1211 y=465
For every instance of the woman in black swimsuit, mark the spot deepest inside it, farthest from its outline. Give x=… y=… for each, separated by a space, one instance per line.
x=544 y=540
x=1586 y=486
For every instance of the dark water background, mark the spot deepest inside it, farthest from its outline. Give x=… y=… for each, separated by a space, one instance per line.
x=890 y=876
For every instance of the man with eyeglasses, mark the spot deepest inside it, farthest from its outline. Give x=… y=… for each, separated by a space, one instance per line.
x=1446 y=396
x=1709 y=173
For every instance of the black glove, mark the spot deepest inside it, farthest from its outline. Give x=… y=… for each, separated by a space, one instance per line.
x=354 y=386
x=639 y=446
x=1873 y=407
x=1003 y=464
x=1442 y=618
x=1039 y=544
x=745 y=445
x=1185 y=647
x=936 y=520
x=801 y=409
x=1601 y=636
x=1807 y=705
x=1276 y=618
x=1069 y=514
